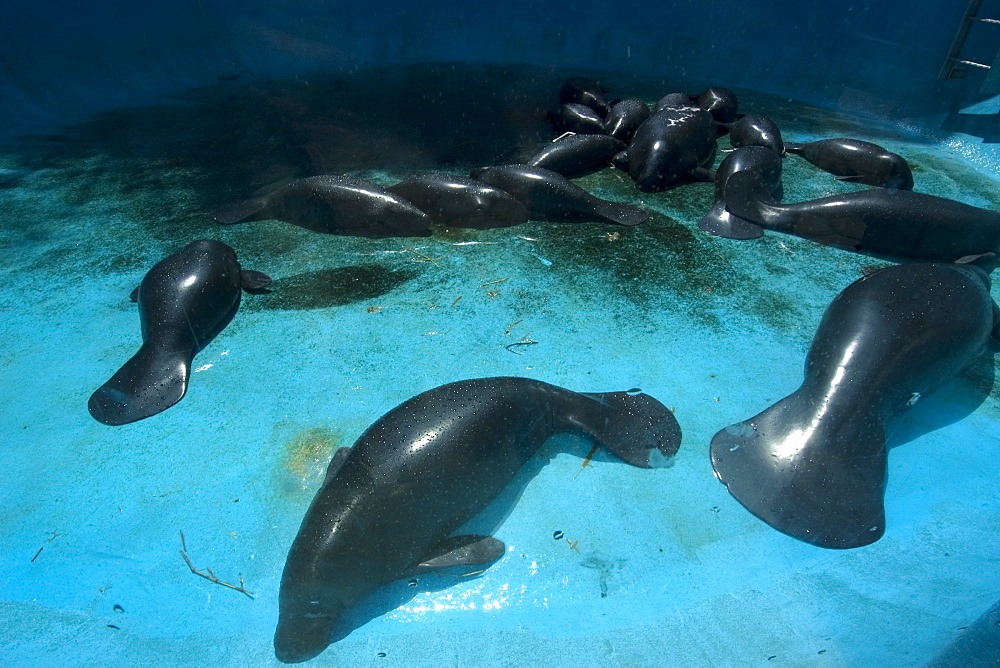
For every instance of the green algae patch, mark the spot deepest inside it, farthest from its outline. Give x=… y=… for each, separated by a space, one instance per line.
x=304 y=459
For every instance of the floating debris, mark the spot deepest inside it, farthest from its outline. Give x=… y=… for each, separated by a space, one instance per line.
x=586 y=460
x=526 y=341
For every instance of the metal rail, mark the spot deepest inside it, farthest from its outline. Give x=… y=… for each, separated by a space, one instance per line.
x=954 y=66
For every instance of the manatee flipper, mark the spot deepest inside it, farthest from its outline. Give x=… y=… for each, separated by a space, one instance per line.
x=151 y=382
x=722 y=223
x=254 y=282
x=985 y=261
x=819 y=481
x=623 y=214
x=237 y=212
x=623 y=421
x=479 y=551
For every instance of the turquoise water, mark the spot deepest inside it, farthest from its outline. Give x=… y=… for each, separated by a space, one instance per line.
x=655 y=566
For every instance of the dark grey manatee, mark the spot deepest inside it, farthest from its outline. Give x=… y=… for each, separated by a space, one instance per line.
x=576 y=118
x=551 y=196
x=580 y=90
x=625 y=118
x=574 y=156
x=897 y=224
x=813 y=465
x=673 y=100
x=721 y=103
x=758 y=159
x=672 y=143
x=457 y=201
x=185 y=300
x=756 y=130
x=333 y=205
x=391 y=505
x=856 y=161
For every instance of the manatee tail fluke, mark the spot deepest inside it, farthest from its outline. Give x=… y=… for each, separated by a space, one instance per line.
x=721 y=223
x=633 y=426
x=823 y=485
x=149 y=383
x=747 y=196
x=622 y=214
x=237 y=212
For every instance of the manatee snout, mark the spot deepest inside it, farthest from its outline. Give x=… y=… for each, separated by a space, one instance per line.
x=302 y=637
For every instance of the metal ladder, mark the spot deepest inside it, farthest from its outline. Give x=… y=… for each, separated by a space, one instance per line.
x=955 y=67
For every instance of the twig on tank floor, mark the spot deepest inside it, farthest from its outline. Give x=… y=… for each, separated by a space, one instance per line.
x=499 y=280
x=208 y=574
x=424 y=258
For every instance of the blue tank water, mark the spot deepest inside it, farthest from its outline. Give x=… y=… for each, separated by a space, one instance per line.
x=160 y=536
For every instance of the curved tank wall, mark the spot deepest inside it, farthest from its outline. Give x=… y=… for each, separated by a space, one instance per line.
x=60 y=62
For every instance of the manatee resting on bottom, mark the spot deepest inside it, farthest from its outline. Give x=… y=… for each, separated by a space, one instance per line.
x=456 y=201
x=574 y=156
x=551 y=196
x=756 y=130
x=185 y=300
x=332 y=204
x=884 y=223
x=390 y=505
x=813 y=464
x=857 y=161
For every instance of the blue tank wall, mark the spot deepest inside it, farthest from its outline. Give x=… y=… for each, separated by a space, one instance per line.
x=61 y=60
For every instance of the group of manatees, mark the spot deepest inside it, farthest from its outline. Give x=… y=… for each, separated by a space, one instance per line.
x=676 y=142
x=812 y=465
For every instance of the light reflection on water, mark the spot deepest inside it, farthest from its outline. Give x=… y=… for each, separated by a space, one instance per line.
x=482 y=595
